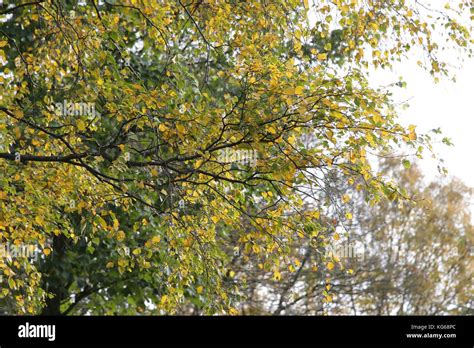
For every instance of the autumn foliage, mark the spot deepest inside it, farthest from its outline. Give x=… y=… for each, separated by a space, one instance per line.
x=138 y=199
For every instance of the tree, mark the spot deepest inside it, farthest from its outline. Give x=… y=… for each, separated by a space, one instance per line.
x=396 y=258
x=420 y=257
x=121 y=122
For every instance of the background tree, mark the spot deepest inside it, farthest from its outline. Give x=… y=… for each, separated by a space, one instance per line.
x=396 y=258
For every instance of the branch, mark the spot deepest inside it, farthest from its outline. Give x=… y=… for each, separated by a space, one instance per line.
x=8 y=10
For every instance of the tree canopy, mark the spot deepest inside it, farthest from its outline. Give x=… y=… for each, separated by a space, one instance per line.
x=409 y=257
x=140 y=139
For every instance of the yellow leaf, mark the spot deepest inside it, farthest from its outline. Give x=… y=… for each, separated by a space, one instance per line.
x=188 y=242
x=299 y=90
x=137 y=251
x=277 y=275
x=120 y=236
x=3 y=43
x=180 y=128
x=271 y=130
x=370 y=139
x=116 y=224
x=39 y=220
x=18 y=113
x=289 y=91
x=11 y=283
x=377 y=119
x=322 y=56
x=81 y=125
x=198 y=163
x=109 y=264
x=162 y=127
x=102 y=222
x=412 y=134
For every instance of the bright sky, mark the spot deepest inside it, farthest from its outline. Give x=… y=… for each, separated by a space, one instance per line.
x=448 y=105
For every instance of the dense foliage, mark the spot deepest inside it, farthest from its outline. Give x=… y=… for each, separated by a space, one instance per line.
x=121 y=123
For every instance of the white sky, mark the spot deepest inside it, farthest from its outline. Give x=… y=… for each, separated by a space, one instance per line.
x=448 y=105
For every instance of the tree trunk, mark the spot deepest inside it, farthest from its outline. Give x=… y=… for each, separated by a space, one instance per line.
x=53 y=282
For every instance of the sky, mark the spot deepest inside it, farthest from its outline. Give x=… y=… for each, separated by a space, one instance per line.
x=447 y=104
